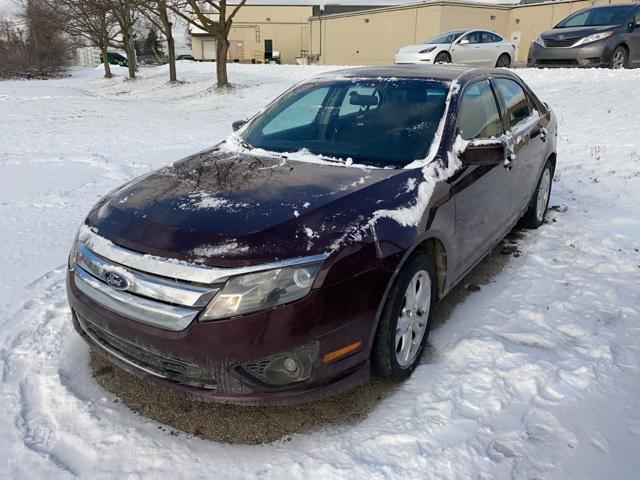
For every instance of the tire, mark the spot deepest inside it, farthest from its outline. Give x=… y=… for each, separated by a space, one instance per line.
x=504 y=61
x=389 y=359
x=534 y=217
x=442 y=57
x=619 y=58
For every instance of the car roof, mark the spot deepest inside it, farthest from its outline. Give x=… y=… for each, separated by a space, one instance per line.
x=427 y=72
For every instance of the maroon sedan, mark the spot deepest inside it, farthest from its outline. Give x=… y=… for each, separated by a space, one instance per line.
x=308 y=250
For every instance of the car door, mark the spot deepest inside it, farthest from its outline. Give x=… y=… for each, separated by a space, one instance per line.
x=525 y=140
x=491 y=47
x=482 y=193
x=466 y=50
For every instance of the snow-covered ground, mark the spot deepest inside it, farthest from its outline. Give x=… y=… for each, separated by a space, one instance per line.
x=537 y=375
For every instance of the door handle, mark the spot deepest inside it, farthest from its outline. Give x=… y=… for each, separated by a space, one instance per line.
x=540 y=132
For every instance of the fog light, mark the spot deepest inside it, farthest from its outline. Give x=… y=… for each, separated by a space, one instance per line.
x=282 y=368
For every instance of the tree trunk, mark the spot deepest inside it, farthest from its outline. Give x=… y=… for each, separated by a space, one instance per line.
x=131 y=56
x=222 y=48
x=173 y=77
x=105 y=61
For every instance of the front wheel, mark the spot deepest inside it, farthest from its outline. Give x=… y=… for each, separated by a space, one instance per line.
x=442 y=57
x=540 y=200
x=404 y=324
x=618 y=58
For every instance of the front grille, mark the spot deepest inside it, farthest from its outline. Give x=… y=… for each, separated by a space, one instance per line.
x=153 y=362
x=557 y=42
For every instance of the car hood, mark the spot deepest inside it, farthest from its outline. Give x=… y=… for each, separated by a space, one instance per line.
x=417 y=48
x=575 y=32
x=226 y=209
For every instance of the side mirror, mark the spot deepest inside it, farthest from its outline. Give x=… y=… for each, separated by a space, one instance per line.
x=484 y=152
x=464 y=41
x=238 y=124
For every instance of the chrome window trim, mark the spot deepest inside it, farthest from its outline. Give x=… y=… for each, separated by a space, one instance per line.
x=156 y=288
x=177 y=269
x=140 y=309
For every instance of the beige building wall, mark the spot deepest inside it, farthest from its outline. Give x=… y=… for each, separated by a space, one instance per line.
x=286 y=25
x=373 y=37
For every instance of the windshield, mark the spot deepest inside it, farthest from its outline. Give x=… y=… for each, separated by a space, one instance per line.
x=378 y=122
x=446 y=37
x=613 y=15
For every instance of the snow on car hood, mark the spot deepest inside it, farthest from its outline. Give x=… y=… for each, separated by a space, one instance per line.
x=227 y=208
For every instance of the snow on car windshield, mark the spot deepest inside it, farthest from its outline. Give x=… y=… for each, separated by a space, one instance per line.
x=372 y=121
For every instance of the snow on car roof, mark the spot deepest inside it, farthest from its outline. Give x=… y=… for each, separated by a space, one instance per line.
x=435 y=72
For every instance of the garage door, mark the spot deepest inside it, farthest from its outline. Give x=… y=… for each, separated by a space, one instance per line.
x=208 y=49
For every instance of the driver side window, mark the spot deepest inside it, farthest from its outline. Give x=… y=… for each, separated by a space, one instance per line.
x=479 y=116
x=471 y=38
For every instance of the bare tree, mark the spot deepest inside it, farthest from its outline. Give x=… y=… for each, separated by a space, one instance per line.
x=33 y=45
x=158 y=13
x=92 y=20
x=125 y=13
x=214 y=17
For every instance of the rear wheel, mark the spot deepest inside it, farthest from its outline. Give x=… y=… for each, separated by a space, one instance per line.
x=404 y=324
x=540 y=200
x=443 y=57
x=504 y=61
x=618 y=58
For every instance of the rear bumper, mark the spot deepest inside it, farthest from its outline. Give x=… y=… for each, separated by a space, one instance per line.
x=199 y=361
x=595 y=54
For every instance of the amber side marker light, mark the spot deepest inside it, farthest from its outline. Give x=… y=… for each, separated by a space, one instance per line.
x=341 y=352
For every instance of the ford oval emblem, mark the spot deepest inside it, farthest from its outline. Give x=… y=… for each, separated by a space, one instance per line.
x=560 y=37
x=116 y=280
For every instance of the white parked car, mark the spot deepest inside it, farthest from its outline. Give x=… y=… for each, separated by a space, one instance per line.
x=469 y=47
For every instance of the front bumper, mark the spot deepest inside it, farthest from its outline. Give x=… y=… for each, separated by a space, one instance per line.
x=199 y=361
x=412 y=59
x=595 y=54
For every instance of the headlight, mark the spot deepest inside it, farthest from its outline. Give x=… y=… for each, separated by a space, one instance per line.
x=257 y=291
x=427 y=50
x=593 y=38
x=539 y=41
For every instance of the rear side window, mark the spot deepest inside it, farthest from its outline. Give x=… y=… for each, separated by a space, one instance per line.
x=479 y=116
x=488 y=37
x=515 y=99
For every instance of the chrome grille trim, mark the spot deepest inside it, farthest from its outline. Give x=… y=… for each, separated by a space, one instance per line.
x=157 y=314
x=176 y=269
x=156 y=288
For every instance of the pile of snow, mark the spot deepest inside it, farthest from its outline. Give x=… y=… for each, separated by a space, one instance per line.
x=537 y=375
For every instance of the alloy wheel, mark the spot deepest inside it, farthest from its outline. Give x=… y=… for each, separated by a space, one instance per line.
x=618 y=59
x=413 y=318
